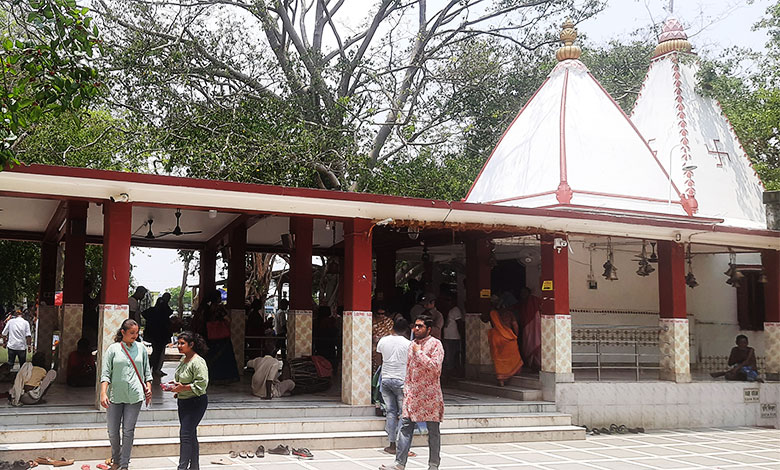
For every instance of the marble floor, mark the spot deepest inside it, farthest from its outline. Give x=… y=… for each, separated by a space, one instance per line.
x=711 y=448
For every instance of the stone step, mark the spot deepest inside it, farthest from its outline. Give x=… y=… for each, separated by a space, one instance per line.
x=42 y=414
x=507 y=391
x=15 y=433
x=524 y=381
x=222 y=444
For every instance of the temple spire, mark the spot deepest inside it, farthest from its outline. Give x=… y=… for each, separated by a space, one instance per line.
x=568 y=35
x=672 y=37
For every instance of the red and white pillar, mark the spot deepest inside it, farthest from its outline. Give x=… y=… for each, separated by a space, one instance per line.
x=73 y=284
x=356 y=345
x=113 y=310
x=556 y=318
x=770 y=259
x=299 y=317
x=236 y=292
x=47 y=311
x=674 y=339
x=478 y=360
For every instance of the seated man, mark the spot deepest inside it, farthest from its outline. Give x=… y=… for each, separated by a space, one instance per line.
x=31 y=382
x=742 y=363
x=81 y=366
x=265 y=380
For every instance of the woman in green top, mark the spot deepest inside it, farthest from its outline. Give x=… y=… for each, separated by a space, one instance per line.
x=192 y=378
x=124 y=385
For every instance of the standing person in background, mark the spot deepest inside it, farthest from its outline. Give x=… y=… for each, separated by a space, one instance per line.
x=427 y=305
x=454 y=329
x=158 y=331
x=125 y=383
x=530 y=329
x=280 y=325
x=192 y=379
x=394 y=352
x=381 y=326
x=134 y=302
x=17 y=338
x=220 y=358
x=423 y=400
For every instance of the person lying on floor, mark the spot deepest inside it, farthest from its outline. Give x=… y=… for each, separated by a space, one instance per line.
x=265 y=380
x=32 y=381
x=742 y=363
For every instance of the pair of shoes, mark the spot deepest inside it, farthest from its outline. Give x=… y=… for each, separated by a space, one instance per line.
x=246 y=454
x=303 y=453
x=390 y=449
x=281 y=449
x=260 y=452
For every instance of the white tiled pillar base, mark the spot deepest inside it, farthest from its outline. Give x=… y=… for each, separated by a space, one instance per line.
x=70 y=334
x=238 y=336
x=48 y=321
x=478 y=359
x=299 y=324
x=772 y=349
x=675 y=349
x=356 y=358
x=110 y=320
x=556 y=344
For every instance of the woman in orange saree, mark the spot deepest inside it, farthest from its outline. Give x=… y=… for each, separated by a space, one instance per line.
x=503 y=344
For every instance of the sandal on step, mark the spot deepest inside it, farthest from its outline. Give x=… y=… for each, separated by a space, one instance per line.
x=613 y=428
x=250 y=454
x=232 y=454
x=260 y=452
x=595 y=431
x=63 y=462
x=622 y=429
x=102 y=466
x=242 y=454
x=85 y=467
x=605 y=431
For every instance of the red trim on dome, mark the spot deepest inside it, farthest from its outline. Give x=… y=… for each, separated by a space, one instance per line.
x=563 y=193
x=528 y=196
x=504 y=135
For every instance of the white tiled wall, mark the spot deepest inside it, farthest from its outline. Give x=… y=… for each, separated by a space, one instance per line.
x=664 y=405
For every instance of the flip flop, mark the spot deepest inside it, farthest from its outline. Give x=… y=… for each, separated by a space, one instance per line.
x=250 y=454
x=595 y=431
x=85 y=467
x=622 y=429
x=412 y=454
x=613 y=428
x=605 y=431
x=242 y=454
x=221 y=461
x=102 y=466
x=232 y=454
x=63 y=462
x=260 y=452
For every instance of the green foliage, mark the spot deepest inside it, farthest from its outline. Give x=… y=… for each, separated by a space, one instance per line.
x=21 y=271
x=620 y=68
x=47 y=50
x=174 y=291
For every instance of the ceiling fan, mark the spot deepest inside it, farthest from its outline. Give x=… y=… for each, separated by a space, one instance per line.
x=177 y=231
x=149 y=233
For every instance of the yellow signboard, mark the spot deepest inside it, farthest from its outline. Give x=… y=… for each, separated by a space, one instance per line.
x=547 y=285
x=484 y=294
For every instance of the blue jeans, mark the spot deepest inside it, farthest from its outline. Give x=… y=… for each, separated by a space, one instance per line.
x=405 y=443
x=14 y=353
x=124 y=415
x=393 y=396
x=191 y=411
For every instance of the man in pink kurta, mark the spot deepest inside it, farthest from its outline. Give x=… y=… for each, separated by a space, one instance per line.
x=423 y=400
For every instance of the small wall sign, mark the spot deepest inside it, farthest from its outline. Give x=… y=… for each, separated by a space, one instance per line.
x=484 y=294
x=547 y=285
x=769 y=410
x=751 y=395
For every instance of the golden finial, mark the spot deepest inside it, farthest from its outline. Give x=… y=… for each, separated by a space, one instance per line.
x=672 y=38
x=568 y=35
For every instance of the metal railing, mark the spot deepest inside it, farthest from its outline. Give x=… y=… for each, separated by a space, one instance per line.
x=598 y=336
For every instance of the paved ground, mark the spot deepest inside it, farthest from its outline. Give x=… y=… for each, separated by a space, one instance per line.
x=736 y=448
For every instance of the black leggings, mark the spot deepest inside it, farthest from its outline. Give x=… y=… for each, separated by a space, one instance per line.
x=191 y=411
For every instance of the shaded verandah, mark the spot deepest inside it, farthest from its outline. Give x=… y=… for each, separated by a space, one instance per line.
x=471 y=226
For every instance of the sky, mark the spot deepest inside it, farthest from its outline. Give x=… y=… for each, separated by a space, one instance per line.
x=712 y=25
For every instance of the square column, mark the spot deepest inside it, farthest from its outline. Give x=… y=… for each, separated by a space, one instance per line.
x=73 y=285
x=299 y=317
x=236 y=292
x=673 y=341
x=47 y=312
x=356 y=341
x=770 y=259
x=478 y=360
x=113 y=310
x=207 y=273
x=556 y=320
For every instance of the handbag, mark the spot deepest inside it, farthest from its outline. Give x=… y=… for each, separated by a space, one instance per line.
x=137 y=374
x=217 y=330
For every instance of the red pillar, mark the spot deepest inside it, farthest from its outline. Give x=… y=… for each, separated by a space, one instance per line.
x=555 y=278
x=207 y=273
x=47 y=312
x=356 y=342
x=478 y=361
x=117 y=229
x=299 y=316
x=770 y=259
x=385 y=275
x=671 y=280
x=73 y=283
x=674 y=344
x=300 y=264
x=75 y=251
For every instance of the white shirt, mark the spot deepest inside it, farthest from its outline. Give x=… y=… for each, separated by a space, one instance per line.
x=450 y=330
x=394 y=350
x=17 y=329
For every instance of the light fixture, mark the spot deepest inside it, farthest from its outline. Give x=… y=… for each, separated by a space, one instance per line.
x=653 y=257
x=644 y=265
x=212 y=214
x=413 y=232
x=610 y=271
x=690 y=279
